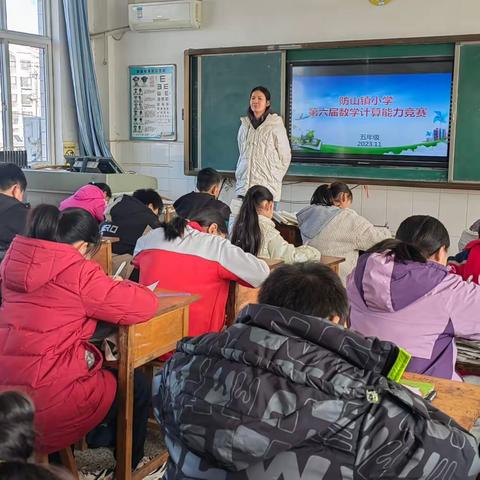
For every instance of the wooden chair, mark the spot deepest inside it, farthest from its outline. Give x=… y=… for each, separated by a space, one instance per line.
x=67 y=458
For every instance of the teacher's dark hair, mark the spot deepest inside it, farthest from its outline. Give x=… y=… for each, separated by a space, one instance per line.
x=418 y=238
x=256 y=122
x=264 y=90
x=246 y=231
x=47 y=222
x=327 y=195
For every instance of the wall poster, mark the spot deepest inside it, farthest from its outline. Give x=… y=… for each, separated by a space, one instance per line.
x=153 y=102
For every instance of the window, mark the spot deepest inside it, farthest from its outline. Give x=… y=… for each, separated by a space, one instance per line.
x=24 y=108
x=26 y=16
x=25 y=82
x=25 y=65
x=26 y=100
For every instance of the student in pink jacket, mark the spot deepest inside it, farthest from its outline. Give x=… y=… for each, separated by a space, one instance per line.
x=89 y=197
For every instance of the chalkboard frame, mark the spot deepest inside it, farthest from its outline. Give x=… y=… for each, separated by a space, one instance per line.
x=432 y=179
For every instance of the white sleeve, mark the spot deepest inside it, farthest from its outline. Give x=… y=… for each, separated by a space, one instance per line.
x=242 y=267
x=278 y=247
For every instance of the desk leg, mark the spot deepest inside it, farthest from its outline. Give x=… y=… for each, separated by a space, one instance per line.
x=125 y=405
x=230 y=307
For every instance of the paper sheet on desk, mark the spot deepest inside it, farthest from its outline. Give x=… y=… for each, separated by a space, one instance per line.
x=153 y=287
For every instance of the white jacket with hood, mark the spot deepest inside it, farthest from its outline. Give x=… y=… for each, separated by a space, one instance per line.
x=339 y=232
x=265 y=155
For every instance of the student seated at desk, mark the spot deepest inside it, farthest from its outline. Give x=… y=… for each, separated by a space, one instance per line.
x=107 y=191
x=129 y=218
x=467 y=262
x=53 y=297
x=89 y=197
x=469 y=235
x=17 y=441
x=194 y=257
x=254 y=230
x=209 y=184
x=284 y=394
x=13 y=212
x=402 y=291
x=331 y=226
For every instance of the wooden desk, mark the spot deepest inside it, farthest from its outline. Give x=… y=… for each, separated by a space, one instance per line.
x=139 y=344
x=104 y=254
x=459 y=400
x=290 y=233
x=242 y=296
x=332 y=262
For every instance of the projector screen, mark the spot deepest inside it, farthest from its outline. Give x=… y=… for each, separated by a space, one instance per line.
x=391 y=113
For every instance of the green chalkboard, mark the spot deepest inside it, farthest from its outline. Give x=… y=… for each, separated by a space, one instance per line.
x=220 y=84
x=466 y=160
x=224 y=87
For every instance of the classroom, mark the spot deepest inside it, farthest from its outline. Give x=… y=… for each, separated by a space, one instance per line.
x=239 y=239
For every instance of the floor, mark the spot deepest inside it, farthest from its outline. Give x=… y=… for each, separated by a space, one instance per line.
x=101 y=458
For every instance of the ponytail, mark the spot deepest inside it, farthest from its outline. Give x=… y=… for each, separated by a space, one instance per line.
x=71 y=225
x=418 y=238
x=327 y=195
x=401 y=252
x=175 y=228
x=426 y=233
x=246 y=232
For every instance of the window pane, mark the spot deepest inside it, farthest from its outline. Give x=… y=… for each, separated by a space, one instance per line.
x=29 y=119
x=26 y=16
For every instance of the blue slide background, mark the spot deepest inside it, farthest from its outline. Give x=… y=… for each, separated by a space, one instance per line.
x=431 y=91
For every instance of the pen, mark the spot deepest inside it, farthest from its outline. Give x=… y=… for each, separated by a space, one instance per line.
x=119 y=270
x=431 y=396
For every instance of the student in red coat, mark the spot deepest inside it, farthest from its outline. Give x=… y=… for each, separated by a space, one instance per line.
x=53 y=298
x=467 y=262
x=195 y=257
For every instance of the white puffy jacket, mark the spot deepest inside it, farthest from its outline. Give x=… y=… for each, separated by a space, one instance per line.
x=265 y=155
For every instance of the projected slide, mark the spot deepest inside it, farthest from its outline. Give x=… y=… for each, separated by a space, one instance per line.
x=400 y=114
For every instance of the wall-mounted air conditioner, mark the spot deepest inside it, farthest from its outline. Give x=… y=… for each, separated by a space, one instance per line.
x=164 y=15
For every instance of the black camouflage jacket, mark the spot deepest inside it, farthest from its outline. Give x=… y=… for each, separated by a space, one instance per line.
x=283 y=396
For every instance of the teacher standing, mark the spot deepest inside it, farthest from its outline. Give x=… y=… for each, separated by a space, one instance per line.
x=265 y=152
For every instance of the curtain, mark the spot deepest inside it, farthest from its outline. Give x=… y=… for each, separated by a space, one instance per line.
x=89 y=115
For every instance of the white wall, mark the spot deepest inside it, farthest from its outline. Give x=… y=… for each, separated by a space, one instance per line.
x=256 y=22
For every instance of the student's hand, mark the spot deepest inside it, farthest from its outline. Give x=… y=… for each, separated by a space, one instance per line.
x=117 y=279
